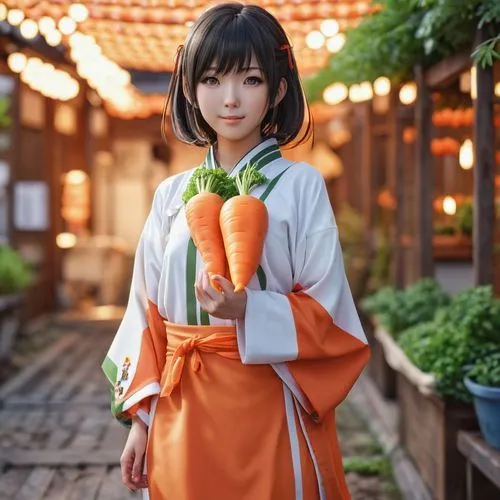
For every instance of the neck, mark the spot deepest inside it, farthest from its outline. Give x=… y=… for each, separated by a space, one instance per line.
x=228 y=153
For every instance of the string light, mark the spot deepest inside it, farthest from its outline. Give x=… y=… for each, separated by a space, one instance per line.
x=408 y=93
x=335 y=93
x=29 y=29
x=466 y=155
x=78 y=12
x=382 y=86
x=449 y=205
x=315 y=40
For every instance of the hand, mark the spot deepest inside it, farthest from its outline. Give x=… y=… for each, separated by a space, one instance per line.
x=132 y=459
x=226 y=304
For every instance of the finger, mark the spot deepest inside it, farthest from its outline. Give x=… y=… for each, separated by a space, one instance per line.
x=143 y=482
x=126 y=470
x=209 y=289
x=204 y=300
x=225 y=284
x=137 y=468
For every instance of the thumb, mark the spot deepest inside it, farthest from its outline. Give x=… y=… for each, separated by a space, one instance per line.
x=225 y=284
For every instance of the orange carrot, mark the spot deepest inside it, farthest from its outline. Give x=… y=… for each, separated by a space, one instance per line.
x=204 y=199
x=244 y=223
x=202 y=214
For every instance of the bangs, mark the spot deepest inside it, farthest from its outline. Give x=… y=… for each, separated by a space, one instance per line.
x=229 y=49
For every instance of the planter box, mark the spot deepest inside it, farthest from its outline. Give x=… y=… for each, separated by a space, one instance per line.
x=428 y=430
x=382 y=374
x=429 y=426
x=10 y=322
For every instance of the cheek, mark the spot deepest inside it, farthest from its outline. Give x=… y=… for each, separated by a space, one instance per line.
x=204 y=98
x=261 y=101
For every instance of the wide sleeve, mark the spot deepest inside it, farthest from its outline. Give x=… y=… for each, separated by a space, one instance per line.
x=136 y=358
x=312 y=335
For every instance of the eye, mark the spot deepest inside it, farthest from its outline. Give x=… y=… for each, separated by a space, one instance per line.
x=254 y=80
x=211 y=81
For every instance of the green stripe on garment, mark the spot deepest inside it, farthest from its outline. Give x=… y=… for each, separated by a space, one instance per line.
x=204 y=319
x=110 y=370
x=268 y=159
x=272 y=185
x=261 y=156
x=261 y=275
x=190 y=282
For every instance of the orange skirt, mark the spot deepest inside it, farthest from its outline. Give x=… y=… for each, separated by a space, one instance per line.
x=220 y=430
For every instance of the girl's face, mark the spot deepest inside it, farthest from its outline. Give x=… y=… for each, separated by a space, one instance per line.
x=234 y=104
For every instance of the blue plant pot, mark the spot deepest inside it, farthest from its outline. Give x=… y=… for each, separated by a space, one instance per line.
x=487 y=405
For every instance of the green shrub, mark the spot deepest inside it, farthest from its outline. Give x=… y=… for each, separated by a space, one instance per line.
x=14 y=272
x=461 y=334
x=399 y=310
x=464 y=219
x=486 y=371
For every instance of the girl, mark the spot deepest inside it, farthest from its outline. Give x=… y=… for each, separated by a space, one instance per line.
x=234 y=393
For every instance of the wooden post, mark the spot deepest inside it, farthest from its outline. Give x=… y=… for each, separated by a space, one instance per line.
x=396 y=186
x=424 y=179
x=484 y=173
x=366 y=181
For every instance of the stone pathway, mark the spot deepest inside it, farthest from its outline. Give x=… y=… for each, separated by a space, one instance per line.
x=59 y=442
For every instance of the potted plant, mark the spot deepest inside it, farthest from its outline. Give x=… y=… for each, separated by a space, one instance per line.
x=460 y=335
x=483 y=382
x=15 y=276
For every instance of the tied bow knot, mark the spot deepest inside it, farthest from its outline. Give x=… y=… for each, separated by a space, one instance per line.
x=222 y=344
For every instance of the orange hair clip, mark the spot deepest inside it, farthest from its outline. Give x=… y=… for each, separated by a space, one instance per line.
x=289 y=52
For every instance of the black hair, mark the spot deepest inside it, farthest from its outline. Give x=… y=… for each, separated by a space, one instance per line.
x=227 y=36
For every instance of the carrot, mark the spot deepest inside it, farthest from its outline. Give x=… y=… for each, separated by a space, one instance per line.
x=204 y=198
x=244 y=223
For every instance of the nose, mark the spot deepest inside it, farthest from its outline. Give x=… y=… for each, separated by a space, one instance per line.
x=231 y=99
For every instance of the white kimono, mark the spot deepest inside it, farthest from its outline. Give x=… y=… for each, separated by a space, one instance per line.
x=257 y=424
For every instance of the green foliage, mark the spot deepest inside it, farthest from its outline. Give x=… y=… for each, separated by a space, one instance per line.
x=460 y=334
x=486 y=371
x=475 y=311
x=213 y=180
x=487 y=52
x=405 y=33
x=464 y=219
x=373 y=466
x=14 y=273
x=386 y=303
x=248 y=179
x=399 y=310
x=5 y=118
x=445 y=229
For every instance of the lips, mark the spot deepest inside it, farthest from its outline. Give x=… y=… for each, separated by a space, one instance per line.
x=232 y=118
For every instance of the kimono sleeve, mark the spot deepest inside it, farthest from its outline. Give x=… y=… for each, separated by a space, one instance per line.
x=312 y=336
x=136 y=358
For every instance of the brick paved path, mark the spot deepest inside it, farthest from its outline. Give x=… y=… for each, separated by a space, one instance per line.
x=57 y=437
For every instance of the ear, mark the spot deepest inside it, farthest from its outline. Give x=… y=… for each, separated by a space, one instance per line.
x=283 y=87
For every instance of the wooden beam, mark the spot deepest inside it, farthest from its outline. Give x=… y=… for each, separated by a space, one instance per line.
x=367 y=184
x=445 y=72
x=396 y=186
x=424 y=178
x=484 y=173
